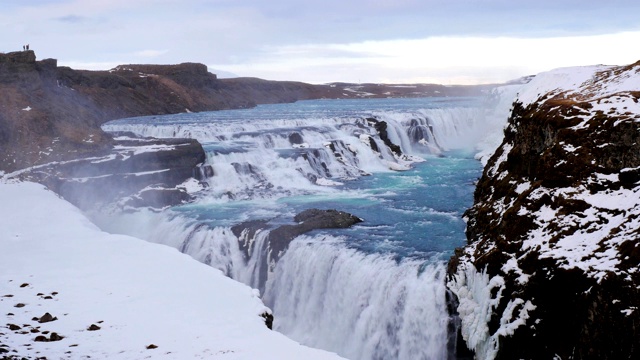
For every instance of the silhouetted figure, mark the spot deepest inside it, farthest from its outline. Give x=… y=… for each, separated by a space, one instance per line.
x=27 y=47
x=24 y=47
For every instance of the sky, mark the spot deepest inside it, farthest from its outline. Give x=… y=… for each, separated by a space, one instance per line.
x=379 y=41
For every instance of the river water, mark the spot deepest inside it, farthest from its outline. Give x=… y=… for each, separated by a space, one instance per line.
x=372 y=291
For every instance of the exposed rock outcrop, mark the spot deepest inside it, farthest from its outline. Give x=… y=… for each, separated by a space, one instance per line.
x=136 y=172
x=41 y=121
x=308 y=220
x=551 y=269
x=278 y=237
x=381 y=128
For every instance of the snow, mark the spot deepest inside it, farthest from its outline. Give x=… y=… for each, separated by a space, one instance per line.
x=522 y=187
x=138 y=293
x=358 y=92
x=143 y=149
x=28 y=108
x=327 y=182
x=508 y=324
x=512 y=266
x=191 y=186
x=557 y=81
x=139 y=139
x=604 y=87
x=628 y=311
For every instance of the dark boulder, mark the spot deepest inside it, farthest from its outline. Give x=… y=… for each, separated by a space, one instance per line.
x=268 y=319
x=295 y=138
x=280 y=236
x=308 y=220
x=47 y=318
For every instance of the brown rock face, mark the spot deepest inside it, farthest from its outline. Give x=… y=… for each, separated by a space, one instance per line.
x=550 y=229
x=18 y=60
x=50 y=124
x=136 y=172
x=41 y=121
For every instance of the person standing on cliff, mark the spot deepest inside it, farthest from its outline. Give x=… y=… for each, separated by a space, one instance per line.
x=27 y=47
x=24 y=47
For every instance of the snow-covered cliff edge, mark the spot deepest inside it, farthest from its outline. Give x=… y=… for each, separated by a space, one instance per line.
x=71 y=291
x=551 y=269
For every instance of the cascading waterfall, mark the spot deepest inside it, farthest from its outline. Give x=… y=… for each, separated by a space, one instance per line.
x=385 y=302
x=367 y=306
x=269 y=157
x=324 y=294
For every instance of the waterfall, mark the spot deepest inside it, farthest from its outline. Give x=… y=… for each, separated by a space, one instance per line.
x=361 y=306
x=262 y=158
x=324 y=292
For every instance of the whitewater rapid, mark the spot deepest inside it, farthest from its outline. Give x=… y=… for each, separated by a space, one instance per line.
x=274 y=155
x=372 y=292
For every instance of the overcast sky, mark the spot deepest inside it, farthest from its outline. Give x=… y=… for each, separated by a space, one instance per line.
x=393 y=41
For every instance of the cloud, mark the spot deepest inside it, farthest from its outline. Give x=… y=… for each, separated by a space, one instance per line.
x=331 y=40
x=452 y=59
x=73 y=19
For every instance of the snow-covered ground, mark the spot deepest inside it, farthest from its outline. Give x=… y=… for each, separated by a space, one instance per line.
x=143 y=300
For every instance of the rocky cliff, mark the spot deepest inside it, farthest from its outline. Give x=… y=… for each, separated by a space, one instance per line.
x=50 y=113
x=551 y=269
x=50 y=132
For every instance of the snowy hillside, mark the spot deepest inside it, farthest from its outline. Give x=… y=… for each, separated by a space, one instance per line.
x=551 y=269
x=117 y=297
